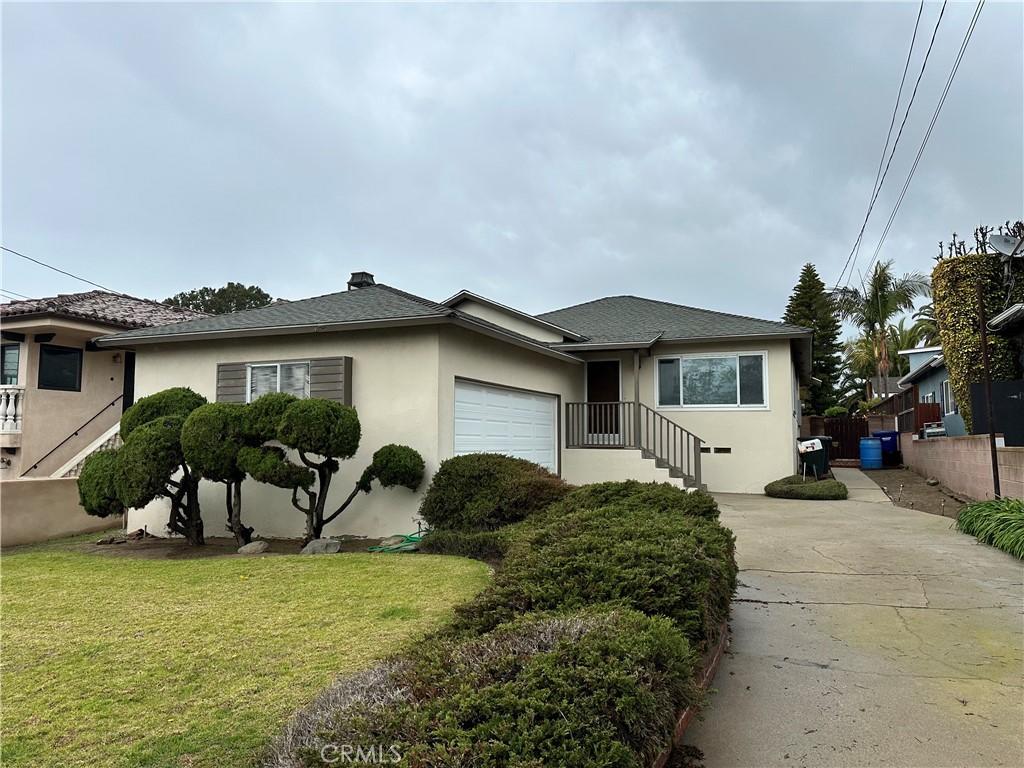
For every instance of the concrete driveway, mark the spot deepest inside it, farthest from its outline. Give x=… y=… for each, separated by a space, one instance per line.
x=866 y=635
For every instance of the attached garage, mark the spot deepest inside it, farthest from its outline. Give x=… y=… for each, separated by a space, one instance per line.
x=493 y=419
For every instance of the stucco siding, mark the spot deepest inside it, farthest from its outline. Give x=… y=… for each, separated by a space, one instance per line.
x=394 y=389
x=509 y=320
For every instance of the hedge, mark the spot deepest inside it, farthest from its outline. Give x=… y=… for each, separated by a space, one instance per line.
x=999 y=523
x=632 y=495
x=955 y=283
x=581 y=690
x=178 y=402
x=484 y=491
x=796 y=487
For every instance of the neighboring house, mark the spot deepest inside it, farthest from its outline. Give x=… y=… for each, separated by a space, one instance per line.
x=929 y=381
x=618 y=388
x=60 y=393
x=881 y=386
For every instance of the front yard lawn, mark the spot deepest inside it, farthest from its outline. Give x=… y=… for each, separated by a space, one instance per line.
x=118 y=661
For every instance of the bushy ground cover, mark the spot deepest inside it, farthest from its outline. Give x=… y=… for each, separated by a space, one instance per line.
x=999 y=523
x=797 y=487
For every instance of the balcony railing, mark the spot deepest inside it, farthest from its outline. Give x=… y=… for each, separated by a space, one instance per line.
x=12 y=408
x=626 y=424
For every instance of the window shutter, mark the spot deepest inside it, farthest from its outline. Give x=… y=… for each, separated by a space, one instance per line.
x=231 y=382
x=330 y=378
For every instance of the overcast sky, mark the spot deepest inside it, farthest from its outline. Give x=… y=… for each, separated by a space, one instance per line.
x=540 y=155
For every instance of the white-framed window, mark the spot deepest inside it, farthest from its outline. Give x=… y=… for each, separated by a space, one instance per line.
x=949 y=405
x=262 y=378
x=928 y=397
x=712 y=381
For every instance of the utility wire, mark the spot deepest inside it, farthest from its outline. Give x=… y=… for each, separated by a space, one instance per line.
x=851 y=259
x=13 y=294
x=928 y=133
x=56 y=269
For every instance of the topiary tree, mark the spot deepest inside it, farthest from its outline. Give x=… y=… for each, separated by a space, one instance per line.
x=149 y=465
x=322 y=433
x=211 y=438
x=96 y=492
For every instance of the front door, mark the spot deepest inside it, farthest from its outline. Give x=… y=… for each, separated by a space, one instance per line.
x=603 y=394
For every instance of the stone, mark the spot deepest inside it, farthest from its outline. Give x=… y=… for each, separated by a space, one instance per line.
x=321 y=547
x=108 y=540
x=932 y=481
x=254 y=548
x=391 y=541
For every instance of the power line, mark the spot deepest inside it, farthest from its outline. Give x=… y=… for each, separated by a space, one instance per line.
x=928 y=133
x=56 y=269
x=880 y=179
x=13 y=294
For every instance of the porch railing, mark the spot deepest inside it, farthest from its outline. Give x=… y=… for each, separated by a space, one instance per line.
x=12 y=408
x=627 y=424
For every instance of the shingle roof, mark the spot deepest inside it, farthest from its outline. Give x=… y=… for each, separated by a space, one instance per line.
x=102 y=307
x=375 y=302
x=623 y=319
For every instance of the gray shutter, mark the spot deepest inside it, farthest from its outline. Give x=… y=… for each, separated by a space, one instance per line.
x=231 y=378
x=330 y=378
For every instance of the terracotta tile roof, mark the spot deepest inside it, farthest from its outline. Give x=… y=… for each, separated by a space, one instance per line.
x=101 y=307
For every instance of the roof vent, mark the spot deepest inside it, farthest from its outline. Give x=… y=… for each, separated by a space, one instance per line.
x=360 y=280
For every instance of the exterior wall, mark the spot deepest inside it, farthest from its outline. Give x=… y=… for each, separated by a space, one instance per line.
x=964 y=464
x=597 y=465
x=468 y=355
x=394 y=389
x=50 y=416
x=37 y=509
x=763 y=441
x=508 y=320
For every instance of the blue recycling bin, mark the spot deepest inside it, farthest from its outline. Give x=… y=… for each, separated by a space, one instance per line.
x=870 y=453
x=890 y=447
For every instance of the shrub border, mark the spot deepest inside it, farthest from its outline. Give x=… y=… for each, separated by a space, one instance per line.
x=709 y=667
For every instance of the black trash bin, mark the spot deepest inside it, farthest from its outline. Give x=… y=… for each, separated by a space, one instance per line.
x=816 y=461
x=826 y=444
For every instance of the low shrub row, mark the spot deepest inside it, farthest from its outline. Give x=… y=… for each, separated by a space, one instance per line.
x=999 y=523
x=581 y=652
x=797 y=487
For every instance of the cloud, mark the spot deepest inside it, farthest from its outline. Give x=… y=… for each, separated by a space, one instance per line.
x=543 y=155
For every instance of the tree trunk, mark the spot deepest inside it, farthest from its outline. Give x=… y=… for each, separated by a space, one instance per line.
x=233 y=501
x=323 y=485
x=193 y=515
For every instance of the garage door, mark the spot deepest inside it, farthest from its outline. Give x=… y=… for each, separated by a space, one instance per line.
x=491 y=419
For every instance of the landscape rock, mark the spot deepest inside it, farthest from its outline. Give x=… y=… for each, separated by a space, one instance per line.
x=932 y=481
x=321 y=547
x=391 y=541
x=108 y=540
x=254 y=548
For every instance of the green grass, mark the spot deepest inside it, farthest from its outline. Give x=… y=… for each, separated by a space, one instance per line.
x=999 y=523
x=796 y=487
x=116 y=661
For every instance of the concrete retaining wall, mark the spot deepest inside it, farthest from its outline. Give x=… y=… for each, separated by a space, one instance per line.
x=964 y=465
x=37 y=509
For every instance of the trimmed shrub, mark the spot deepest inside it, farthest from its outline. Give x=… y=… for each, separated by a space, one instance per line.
x=148 y=458
x=210 y=439
x=836 y=410
x=176 y=401
x=96 y=491
x=632 y=495
x=999 y=523
x=483 y=491
x=321 y=427
x=795 y=487
x=659 y=563
x=590 y=689
x=394 y=465
x=267 y=464
x=480 y=545
x=263 y=416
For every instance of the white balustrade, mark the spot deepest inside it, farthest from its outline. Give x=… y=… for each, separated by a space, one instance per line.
x=12 y=406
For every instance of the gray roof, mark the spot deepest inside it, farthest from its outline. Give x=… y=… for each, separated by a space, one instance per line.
x=373 y=303
x=622 y=319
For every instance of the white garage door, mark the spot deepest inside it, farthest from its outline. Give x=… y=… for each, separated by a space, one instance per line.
x=495 y=420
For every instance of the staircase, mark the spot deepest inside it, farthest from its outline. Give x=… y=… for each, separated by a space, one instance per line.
x=109 y=439
x=627 y=424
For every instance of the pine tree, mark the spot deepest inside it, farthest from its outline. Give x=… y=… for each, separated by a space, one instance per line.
x=811 y=306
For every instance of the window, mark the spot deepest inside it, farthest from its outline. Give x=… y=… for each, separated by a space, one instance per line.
x=60 y=368
x=949 y=405
x=712 y=381
x=11 y=357
x=928 y=398
x=292 y=378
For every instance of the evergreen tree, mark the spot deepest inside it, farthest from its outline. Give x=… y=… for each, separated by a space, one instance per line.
x=811 y=306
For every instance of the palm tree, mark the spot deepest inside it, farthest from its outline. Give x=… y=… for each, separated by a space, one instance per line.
x=927 y=326
x=882 y=298
x=902 y=337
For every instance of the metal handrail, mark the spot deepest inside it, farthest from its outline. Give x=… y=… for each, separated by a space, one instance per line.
x=55 y=448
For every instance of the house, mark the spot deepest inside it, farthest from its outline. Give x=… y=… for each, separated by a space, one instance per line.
x=928 y=383
x=61 y=398
x=617 y=388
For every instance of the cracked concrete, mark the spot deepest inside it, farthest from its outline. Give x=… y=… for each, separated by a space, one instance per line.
x=865 y=634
